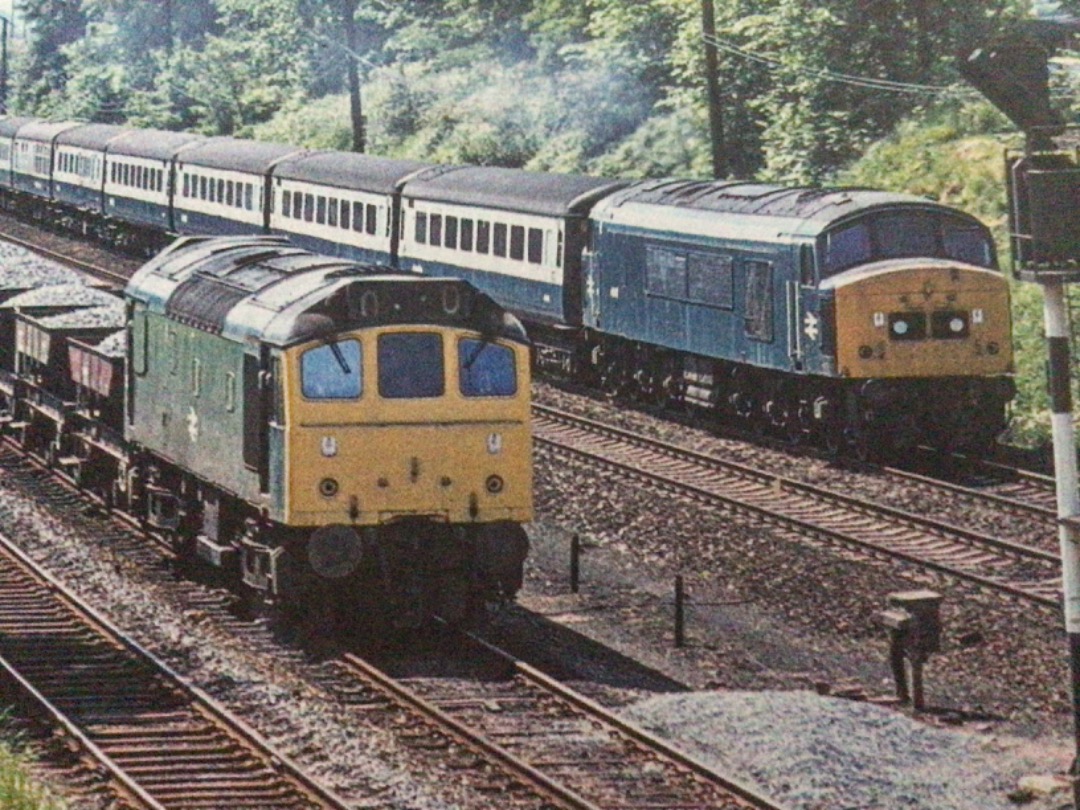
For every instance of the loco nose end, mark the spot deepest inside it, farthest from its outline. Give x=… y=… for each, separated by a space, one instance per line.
x=910 y=319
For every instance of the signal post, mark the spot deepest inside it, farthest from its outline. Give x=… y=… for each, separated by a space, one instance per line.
x=1043 y=183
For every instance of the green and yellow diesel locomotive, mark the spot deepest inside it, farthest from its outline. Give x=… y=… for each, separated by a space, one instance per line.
x=334 y=434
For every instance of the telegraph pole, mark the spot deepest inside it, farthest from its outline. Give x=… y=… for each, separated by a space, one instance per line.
x=712 y=82
x=3 y=65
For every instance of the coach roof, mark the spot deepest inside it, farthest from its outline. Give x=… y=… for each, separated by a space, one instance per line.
x=91 y=136
x=350 y=170
x=233 y=154
x=153 y=144
x=511 y=189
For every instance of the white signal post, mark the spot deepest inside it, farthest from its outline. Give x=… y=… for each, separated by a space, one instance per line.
x=1067 y=486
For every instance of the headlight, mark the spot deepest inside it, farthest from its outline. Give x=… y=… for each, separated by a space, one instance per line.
x=907 y=326
x=950 y=325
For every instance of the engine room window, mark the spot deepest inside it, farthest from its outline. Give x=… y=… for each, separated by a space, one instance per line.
x=759 y=301
x=710 y=279
x=332 y=371
x=411 y=365
x=486 y=369
x=665 y=273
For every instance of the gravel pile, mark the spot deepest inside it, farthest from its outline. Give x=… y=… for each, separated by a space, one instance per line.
x=813 y=752
x=66 y=295
x=108 y=316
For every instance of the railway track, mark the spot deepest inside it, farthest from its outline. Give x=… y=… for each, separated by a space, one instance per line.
x=1020 y=571
x=164 y=743
x=562 y=745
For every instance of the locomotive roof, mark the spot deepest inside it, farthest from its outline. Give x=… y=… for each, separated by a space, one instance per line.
x=348 y=170
x=254 y=157
x=511 y=189
x=770 y=209
x=155 y=144
x=44 y=131
x=260 y=287
x=91 y=136
x=11 y=124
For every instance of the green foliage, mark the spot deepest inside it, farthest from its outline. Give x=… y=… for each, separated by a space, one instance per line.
x=18 y=789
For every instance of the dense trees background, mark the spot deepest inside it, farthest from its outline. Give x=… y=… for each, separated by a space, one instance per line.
x=602 y=86
x=832 y=90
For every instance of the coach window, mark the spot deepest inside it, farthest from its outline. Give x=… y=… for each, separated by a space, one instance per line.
x=137 y=181
x=759 y=301
x=204 y=187
x=372 y=219
x=421 y=228
x=411 y=365
x=332 y=371
x=249 y=196
x=229 y=189
x=435 y=233
x=331 y=212
x=451 y=233
x=466 y=234
x=499 y=246
x=112 y=172
x=536 y=246
x=320 y=210
x=558 y=248
x=220 y=190
x=486 y=369
x=345 y=213
x=483 y=236
x=358 y=217
x=125 y=175
x=298 y=205
x=517 y=242
x=286 y=204
x=309 y=207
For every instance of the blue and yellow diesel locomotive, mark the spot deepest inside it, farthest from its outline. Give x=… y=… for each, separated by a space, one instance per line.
x=335 y=434
x=862 y=319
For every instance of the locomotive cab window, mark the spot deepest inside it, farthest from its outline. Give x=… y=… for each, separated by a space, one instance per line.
x=411 y=365
x=906 y=234
x=332 y=371
x=486 y=369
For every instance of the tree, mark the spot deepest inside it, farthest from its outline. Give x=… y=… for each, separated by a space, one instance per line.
x=54 y=24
